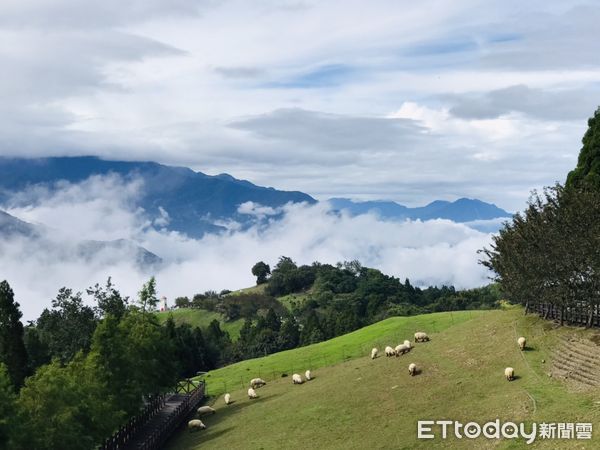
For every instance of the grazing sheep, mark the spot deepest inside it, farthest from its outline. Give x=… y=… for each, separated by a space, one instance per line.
x=196 y=425
x=297 y=379
x=401 y=349
x=227 y=398
x=205 y=410
x=374 y=353
x=389 y=351
x=509 y=373
x=252 y=393
x=412 y=369
x=421 y=337
x=255 y=383
x=522 y=342
x=308 y=375
x=407 y=344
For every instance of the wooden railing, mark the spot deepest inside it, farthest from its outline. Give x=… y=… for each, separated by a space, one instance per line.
x=120 y=439
x=582 y=315
x=159 y=436
x=129 y=432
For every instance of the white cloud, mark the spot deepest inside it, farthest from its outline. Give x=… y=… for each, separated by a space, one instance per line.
x=165 y=80
x=432 y=252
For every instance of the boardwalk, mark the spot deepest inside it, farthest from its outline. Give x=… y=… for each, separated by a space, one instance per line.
x=151 y=429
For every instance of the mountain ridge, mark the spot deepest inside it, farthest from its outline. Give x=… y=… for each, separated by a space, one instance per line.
x=461 y=210
x=196 y=203
x=193 y=200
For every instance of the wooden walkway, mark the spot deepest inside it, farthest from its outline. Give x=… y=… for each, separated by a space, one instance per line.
x=153 y=427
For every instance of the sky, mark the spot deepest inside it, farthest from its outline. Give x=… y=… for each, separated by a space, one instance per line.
x=434 y=252
x=395 y=100
x=407 y=101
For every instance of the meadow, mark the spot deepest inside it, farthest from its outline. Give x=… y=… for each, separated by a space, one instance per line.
x=356 y=402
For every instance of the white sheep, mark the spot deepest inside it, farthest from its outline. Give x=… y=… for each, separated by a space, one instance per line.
x=522 y=342
x=297 y=379
x=205 y=410
x=421 y=337
x=196 y=425
x=227 y=398
x=401 y=349
x=255 y=383
x=374 y=352
x=308 y=376
x=407 y=344
x=252 y=393
x=389 y=351
x=412 y=369
x=509 y=373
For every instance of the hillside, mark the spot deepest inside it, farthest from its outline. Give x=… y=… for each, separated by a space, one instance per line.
x=193 y=200
x=355 y=402
x=202 y=318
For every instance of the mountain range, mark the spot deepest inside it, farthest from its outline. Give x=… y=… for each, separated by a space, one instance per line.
x=461 y=210
x=193 y=200
x=196 y=202
x=38 y=236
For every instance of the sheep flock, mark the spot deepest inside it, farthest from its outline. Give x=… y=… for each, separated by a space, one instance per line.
x=297 y=379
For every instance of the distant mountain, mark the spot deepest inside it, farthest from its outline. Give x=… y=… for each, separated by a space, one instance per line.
x=37 y=237
x=142 y=257
x=461 y=210
x=194 y=201
x=11 y=226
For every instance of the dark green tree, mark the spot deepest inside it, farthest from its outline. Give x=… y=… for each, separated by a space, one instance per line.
x=587 y=172
x=289 y=334
x=38 y=353
x=65 y=407
x=147 y=298
x=109 y=299
x=8 y=418
x=182 y=302
x=68 y=327
x=12 y=347
x=261 y=271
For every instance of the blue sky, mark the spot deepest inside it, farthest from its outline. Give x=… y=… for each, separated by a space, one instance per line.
x=408 y=101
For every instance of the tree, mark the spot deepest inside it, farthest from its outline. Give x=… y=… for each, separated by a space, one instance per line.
x=109 y=299
x=587 y=172
x=8 y=417
x=38 y=353
x=68 y=327
x=289 y=335
x=65 y=407
x=261 y=271
x=12 y=347
x=147 y=296
x=182 y=302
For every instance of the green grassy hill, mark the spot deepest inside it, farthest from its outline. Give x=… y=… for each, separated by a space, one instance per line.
x=202 y=318
x=356 y=402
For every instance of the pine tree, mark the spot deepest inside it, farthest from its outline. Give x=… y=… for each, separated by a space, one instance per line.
x=12 y=347
x=587 y=173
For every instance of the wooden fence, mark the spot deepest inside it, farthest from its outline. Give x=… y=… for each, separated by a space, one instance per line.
x=580 y=315
x=159 y=436
x=129 y=432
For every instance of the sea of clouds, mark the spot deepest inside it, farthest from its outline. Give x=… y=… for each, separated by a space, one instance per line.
x=433 y=252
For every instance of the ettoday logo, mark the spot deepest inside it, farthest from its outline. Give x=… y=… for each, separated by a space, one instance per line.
x=432 y=429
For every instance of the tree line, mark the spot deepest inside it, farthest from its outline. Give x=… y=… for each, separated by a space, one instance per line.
x=90 y=364
x=71 y=378
x=547 y=257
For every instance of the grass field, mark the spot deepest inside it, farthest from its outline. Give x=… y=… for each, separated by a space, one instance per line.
x=288 y=300
x=202 y=318
x=356 y=402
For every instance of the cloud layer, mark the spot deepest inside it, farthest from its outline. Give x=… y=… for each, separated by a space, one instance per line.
x=408 y=101
x=432 y=252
